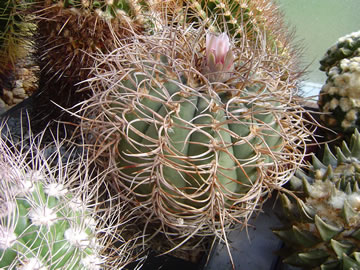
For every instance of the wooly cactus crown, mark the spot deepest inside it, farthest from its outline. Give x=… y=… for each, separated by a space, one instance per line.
x=322 y=229
x=346 y=47
x=339 y=97
x=52 y=215
x=195 y=151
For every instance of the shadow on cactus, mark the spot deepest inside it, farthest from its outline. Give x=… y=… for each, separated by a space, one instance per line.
x=52 y=214
x=322 y=226
x=196 y=153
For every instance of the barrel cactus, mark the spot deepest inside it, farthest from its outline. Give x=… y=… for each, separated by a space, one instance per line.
x=198 y=136
x=322 y=227
x=51 y=214
x=70 y=33
x=339 y=98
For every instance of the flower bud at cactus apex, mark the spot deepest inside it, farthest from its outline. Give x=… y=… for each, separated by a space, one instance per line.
x=219 y=57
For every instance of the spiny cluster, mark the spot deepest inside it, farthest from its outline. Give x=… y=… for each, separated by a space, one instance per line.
x=52 y=215
x=346 y=47
x=322 y=229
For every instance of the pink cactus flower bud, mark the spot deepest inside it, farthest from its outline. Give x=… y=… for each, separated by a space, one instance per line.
x=218 y=45
x=219 y=57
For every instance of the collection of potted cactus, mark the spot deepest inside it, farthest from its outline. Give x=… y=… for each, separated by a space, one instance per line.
x=184 y=118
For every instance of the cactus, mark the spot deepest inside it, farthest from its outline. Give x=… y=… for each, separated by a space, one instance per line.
x=322 y=226
x=237 y=17
x=52 y=215
x=15 y=34
x=195 y=152
x=346 y=47
x=339 y=97
x=70 y=33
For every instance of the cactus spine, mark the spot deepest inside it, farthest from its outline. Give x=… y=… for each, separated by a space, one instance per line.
x=322 y=227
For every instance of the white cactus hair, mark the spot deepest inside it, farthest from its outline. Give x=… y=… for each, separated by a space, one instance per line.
x=25 y=161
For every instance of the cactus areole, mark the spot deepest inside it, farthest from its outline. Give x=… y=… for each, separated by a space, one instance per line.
x=193 y=151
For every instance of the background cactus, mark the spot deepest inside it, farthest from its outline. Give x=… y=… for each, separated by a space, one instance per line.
x=15 y=33
x=322 y=227
x=16 y=39
x=194 y=154
x=339 y=98
x=53 y=215
x=70 y=33
x=346 y=47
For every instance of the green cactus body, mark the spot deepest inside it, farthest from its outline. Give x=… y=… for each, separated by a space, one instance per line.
x=322 y=229
x=195 y=138
x=15 y=33
x=193 y=153
x=53 y=212
x=339 y=97
x=44 y=227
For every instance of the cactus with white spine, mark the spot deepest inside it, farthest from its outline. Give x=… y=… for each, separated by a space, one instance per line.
x=322 y=227
x=52 y=215
x=197 y=135
x=339 y=97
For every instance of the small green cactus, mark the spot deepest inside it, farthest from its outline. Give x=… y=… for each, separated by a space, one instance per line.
x=52 y=215
x=339 y=98
x=322 y=228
